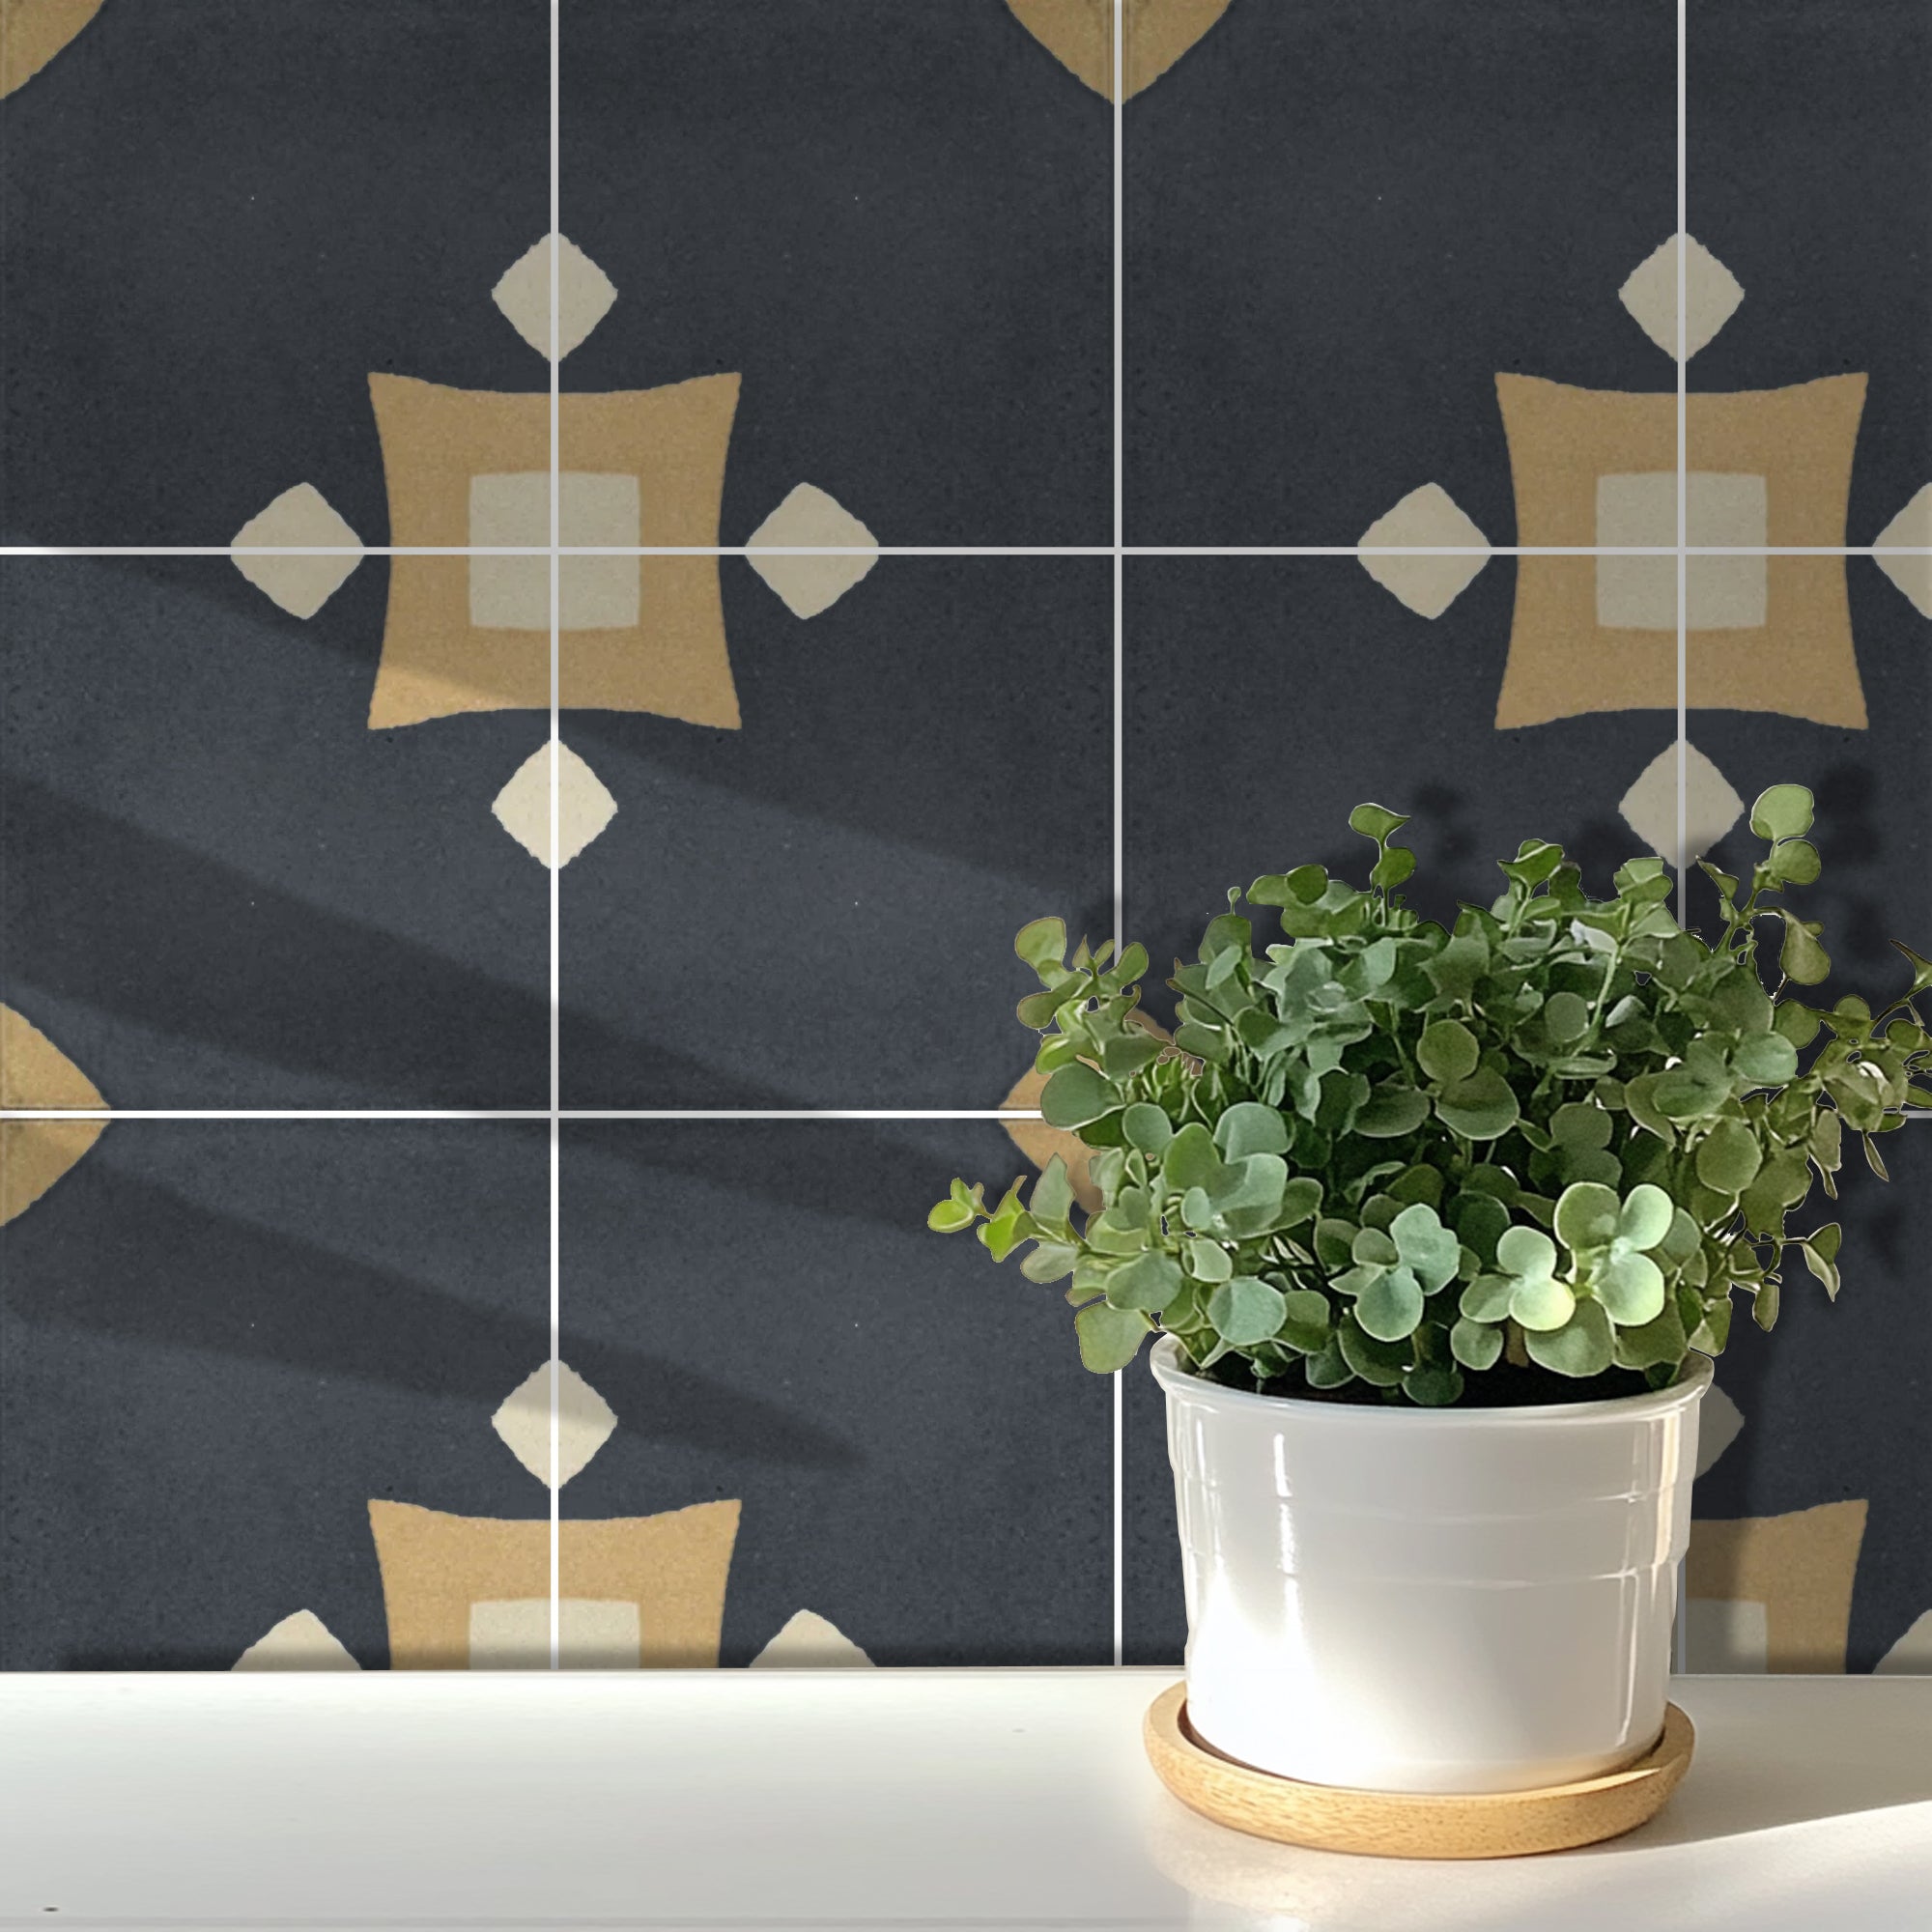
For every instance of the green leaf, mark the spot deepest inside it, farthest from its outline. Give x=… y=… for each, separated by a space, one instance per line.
x=1767 y=1059
x=1728 y=1157
x=1049 y=1261
x=1076 y=1096
x=1192 y=1159
x=1208 y=1261
x=1630 y=1285
x=1652 y=1343
x=1390 y=1111
x=1456 y=969
x=1052 y=1196
x=1784 y=812
x=1448 y=1051
x=1528 y=1252
x=1541 y=1303
x=1475 y=1343
x=1640 y=1098
x=1042 y=942
x=1426 y=1246
x=1245 y=1310
x=1802 y=959
x=1379 y=1363
x=1587 y=1215
x=1488 y=1299
x=1794 y=862
x=1389 y=1308
x=1433 y=1384
x=1796 y=1022
x=1109 y=1337
x=1646 y=1219
x=1146 y=1127
x=1330 y=1368
x=1148 y=1282
x=1535 y=860
x=1375 y=821
x=1334 y=1240
x=1479 y=1108
x=1565 y=1017
x=1579 y=1125
x=949 y=1217
x=1583 y=1346
x=1395 y=866
x=1249 y=1127
x=1921 y=968
x=1763 y=1305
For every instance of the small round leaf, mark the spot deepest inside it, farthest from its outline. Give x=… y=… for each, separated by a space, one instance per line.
x=1475 y=1343
x=1540 y=1304
x=1390 y=1306
x=1448 y=1051
x=1586 y=1215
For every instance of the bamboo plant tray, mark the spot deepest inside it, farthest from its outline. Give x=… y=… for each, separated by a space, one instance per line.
x=1402 y=1825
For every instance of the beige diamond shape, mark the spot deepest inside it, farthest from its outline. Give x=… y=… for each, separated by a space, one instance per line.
x=584 y=806
x=810 y=1642
x=584 y=1421
x=1426 y=519
x=1903 y=551
x=1712 y=296
x=299 y=519
x=1711 y=806
x=298 y=1642
x=809 y=518
x=585 y=294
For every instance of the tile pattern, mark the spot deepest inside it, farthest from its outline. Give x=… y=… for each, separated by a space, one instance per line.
x=819 y=549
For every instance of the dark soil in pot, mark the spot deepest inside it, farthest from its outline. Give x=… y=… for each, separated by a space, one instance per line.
x=1504 y=1386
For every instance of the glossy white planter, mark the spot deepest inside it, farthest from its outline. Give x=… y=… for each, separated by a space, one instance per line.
x=1404 y=1599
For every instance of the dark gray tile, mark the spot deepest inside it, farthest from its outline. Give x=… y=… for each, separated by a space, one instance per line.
x=1809 y=177
x=919 y=1455
x=219 y=1340
x=1343 y=219
x=219 y=217
x=818 y=909
x=894 y=221
x=220 y=888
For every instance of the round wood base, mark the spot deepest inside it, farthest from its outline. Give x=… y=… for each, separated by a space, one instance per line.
x=1402 y=1825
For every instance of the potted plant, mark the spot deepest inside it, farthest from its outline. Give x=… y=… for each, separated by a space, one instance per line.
x=1437 y=1232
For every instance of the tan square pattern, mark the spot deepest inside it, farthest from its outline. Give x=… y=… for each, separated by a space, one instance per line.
x=592 y=1634
x=642 y=466
x=1565 y=658
x=1773 y=1592
x=439 y=1570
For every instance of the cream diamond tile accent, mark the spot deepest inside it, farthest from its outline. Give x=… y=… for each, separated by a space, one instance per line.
x=1911 y=1654
x=1908 y=531
x=1426 y=519
x=584 y=807
x=809 y=518
x=299 y=519
x=810 y=1642
x=300 y=1642
x=1712 y=296
x=1718 y=1421
x=584 y=1421
x=1711 y=806
x=584 y=295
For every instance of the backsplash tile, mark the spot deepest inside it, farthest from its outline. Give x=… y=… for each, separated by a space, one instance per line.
x=873 y=633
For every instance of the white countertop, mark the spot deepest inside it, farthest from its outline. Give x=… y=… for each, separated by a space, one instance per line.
x=865 y=1799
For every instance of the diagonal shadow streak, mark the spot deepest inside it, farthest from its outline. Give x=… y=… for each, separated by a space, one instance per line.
x=145 y=954
x=335 y=1315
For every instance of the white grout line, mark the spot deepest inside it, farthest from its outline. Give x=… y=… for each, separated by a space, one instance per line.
x=1683 y=573
x=519 y=1113
x=1118 y=12
x=556 y=867
x=970 y=550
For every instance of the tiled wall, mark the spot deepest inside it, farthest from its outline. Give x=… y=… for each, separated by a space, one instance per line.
x=360 y=1059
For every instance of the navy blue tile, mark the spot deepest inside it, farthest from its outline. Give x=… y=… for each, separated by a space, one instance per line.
x=921 y=1456
x=219 y=1340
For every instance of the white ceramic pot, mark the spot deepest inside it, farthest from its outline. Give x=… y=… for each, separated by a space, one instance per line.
x=1430 y=1600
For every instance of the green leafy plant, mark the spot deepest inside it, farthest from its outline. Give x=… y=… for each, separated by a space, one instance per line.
x=1386 y=1161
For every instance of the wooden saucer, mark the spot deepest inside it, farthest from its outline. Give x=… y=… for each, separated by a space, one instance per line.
x=1404 y=1825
